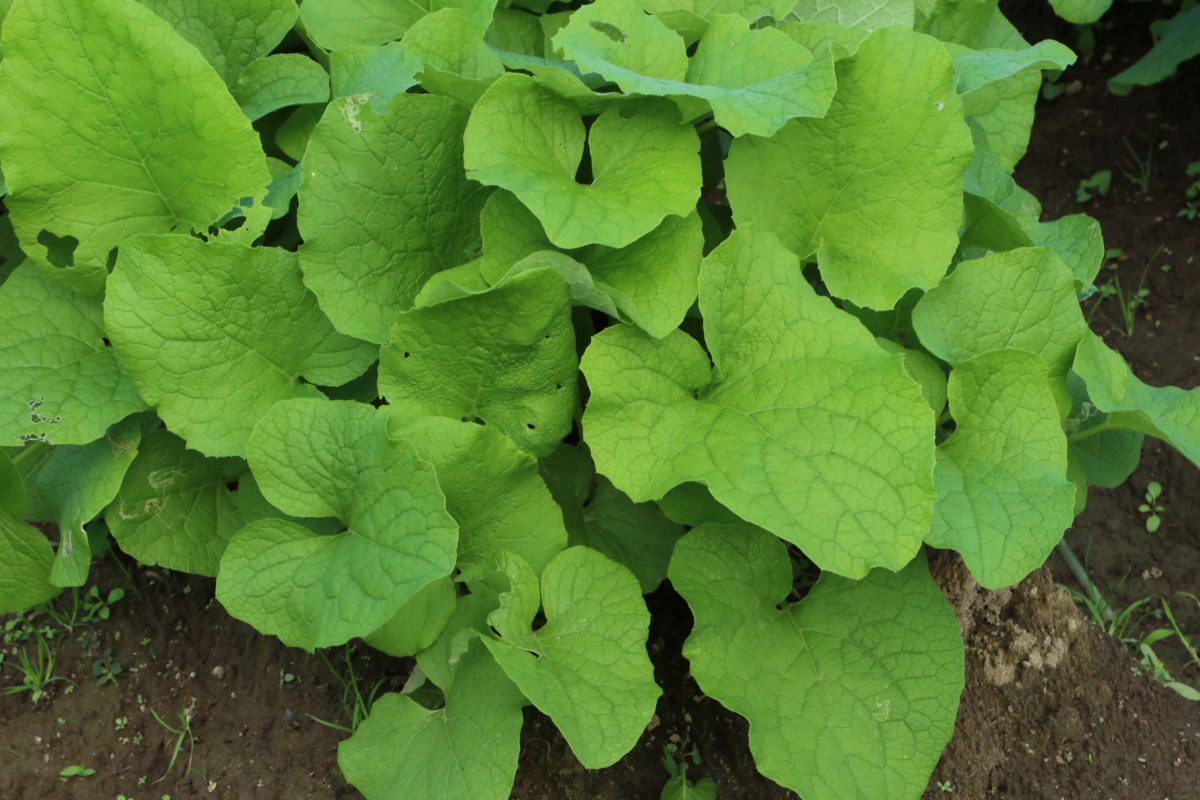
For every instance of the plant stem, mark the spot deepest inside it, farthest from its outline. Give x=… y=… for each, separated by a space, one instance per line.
x=1081 y=575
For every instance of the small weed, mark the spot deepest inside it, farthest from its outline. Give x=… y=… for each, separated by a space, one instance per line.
x=1098 y=184
x=678 y=786
x=356 y=704
x=36 y=669
x=182 y=734
x=945 y=787
x=1137 y=170
x=285 y=677
x=75 y=771
x=1128 y=304
x=105 y=669
x=1152 y=507
x=1192 y=206
x=1070 y=756
x=120 y=723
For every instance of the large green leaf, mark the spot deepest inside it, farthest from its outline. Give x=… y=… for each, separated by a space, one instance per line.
x=1168 y=412
x=26 y=557
x=73 y=486
x=869 y=14
x=62 y=384
x=280 y=80
x=467 y=749
x=125 y=128
x=638 y=536
x=232 y=33
x=873 y=190
x=384 y=206
x=494 y=492
x=214 y=334
x=505 y=356
x=589 y=669
x=1180 y=42
x=529 y=140
x=851 y=692
x=651 y=282
x=456 y=61
x=1004 y=499
x=334 y=24
x=754 y=80
x=418 y=623
x=321 y=458
x=382 y=72
x=1020 y=299
x=1081 y=12
x=804 y=425
x=176 y=508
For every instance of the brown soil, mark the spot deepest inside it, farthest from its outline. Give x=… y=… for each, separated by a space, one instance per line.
x=1052 y=709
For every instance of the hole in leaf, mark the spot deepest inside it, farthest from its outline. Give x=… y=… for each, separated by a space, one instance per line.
x=60 y=250
x=106 y=341
x=558 y=386
x=583 y=174
x=407 y=354
x=479 y=421
x=531 y=426
x=232 y=486
x=609 y=30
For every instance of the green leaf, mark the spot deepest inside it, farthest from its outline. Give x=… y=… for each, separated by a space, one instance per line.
x=383 y=207
x=1101 y=455
x=322 y=458
x=214 y=334
x=26 y=558
x=976 y=68
x=873 y=190
x=1020 y=299
x=638 y=536
x=334 y=24
x=62 y=383
x=469 y=748
x=1180 y=42
x=456 y=61
x=651 y=282
x=754 y=80
x=73 y=486
x=175 y=508
x=589 y=671
x=1078 y=242
x=868 y=14
x=229 y=34
x=851 y=692
x=1169 y=413
x=1080 y=12
x=493 y=491
x=13 y=498
x=530 y=141
x=382 y=72
x=1004 y=499
x=506 y=357
x=283 y=79
x=125 y=128
x=804 y=425
x=693 y=505
x=418 y=622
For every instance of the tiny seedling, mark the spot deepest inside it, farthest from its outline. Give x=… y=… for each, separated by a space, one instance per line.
x=678 y=787
x=1192 y=206
x=945 y=787
x=1152 y=507
x=1098 y=184
x=75 y=771
x=36 y=669
x=182 y=734
x=105 y=669
x=1138 y=170
x=355 y=704
x=1129 y=304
